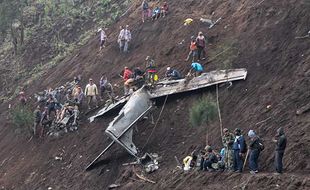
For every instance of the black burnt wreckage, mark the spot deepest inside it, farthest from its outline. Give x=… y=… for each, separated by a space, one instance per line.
x=140 y=102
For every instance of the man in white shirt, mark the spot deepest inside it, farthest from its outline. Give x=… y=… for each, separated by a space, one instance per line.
x=103 y=37
x=124 y=38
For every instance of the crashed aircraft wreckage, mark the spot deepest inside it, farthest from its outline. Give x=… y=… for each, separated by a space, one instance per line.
x=140 y=102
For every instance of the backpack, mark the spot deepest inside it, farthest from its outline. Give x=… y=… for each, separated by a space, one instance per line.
x=245 y=147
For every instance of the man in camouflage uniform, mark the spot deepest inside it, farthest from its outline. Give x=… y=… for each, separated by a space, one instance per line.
x=228 y=140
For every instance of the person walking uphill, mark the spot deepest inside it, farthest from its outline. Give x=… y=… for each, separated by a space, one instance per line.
x=91 y=92
x=239 y=148
x=280 y=141
x=103 y=38
x=228 y=140
x=255 y=147
x=124 y=38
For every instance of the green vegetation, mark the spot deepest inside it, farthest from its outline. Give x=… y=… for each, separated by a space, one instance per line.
x=203 y=111
x=52 y=29
x=22 y=118
x=224 y=54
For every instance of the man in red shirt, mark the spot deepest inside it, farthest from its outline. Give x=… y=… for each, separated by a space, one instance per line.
x=128 y=80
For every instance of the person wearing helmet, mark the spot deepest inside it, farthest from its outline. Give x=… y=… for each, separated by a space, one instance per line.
x=103 y=37
x=239 y=148
x=209 y=159
x=150 y=69
x=228 y=141
x=172 y=74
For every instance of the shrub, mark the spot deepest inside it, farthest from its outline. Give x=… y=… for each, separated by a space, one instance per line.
x=22 y=117
x=203 y=111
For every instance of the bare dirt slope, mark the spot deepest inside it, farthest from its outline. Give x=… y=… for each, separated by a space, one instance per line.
x=259 y=36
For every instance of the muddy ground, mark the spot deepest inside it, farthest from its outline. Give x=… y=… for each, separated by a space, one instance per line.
x=258 y=36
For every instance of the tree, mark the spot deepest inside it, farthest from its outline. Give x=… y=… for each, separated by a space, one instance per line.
x=203 y=112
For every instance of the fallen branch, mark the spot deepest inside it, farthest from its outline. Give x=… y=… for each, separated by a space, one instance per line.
x=144 y=178
x=177 y=160
x=263 y=121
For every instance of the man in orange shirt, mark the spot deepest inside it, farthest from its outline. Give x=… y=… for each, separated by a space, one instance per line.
x=193 y=50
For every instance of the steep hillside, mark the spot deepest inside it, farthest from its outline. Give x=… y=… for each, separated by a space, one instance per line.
x=259 y=36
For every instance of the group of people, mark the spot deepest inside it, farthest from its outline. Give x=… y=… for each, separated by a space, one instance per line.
x=123 y=39
x=197 y=48
x=135 y=78
x=155 y=13
x=62 y=105
x=236 y=152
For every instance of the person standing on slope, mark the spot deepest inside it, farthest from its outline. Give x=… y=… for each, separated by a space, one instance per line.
x=145 y=10
x=103 y=37
x=280 y=141
x=124 y=38
x=228 y=141
x=239 y=148
x=91 y=92
x=201 y=44
x=254 y=151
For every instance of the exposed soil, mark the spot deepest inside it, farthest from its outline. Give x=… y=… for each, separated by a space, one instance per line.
x=263 y=37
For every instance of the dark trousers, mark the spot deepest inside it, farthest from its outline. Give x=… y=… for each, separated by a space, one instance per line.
x=253 y=159
x=207 y=165
x=238 y=161
x=278 y=160
x=201 y=52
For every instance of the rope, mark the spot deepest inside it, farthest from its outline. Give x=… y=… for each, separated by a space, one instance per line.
x=218 y=109
x=161 y=111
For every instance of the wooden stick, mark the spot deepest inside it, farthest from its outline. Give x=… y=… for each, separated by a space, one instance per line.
x=144 y=178
x=246 y=158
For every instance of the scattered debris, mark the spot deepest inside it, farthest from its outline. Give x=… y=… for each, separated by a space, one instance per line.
x=209 y=21
x=214 y=23
x=263 y=121
x=112 y=186
x=58 y=158
x=303 y=109
x=302 y=37
x=144 y=178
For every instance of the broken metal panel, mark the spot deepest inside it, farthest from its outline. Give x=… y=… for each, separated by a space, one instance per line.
x=204 y=80
x=120 y=128
x=109 y=108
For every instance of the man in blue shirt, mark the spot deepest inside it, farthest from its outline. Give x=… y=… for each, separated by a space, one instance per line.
x=239 y=148
x=197 y=67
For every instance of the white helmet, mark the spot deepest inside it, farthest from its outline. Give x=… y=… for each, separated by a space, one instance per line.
x=168 y=68
x=99 y=29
